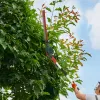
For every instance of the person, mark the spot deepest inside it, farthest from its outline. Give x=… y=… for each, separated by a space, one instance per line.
x=82 y=96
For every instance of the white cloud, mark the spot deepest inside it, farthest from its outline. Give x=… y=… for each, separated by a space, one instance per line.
x=93 y=17
x=95 y=1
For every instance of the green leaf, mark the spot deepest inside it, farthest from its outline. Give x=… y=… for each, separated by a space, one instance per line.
x=49 y=20
x=31 y=3
x=84 y=59
x=88 y=54
x=48 y=9
x=73 y=7
x=58 y=9
x=2 y=42
x=79 y=81
x=70 y=89
x=53 y=3
x=73 y=71
x=14 y=6
x=64 y=8
x=72 y=23
x=59 y=0
x=80 y=63
x=2 y=32
x=45 y=93
x=4 y=46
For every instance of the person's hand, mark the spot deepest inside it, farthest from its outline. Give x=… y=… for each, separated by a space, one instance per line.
x=74 y=85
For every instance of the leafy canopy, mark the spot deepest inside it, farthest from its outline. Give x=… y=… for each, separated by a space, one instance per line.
x=24 y=67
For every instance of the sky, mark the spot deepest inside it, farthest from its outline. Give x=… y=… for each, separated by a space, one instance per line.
x=88 y=30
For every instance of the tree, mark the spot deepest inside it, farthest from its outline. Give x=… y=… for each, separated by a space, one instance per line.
x=24 y=67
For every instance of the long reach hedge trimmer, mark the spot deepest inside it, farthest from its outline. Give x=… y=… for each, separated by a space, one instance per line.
x=49 y=50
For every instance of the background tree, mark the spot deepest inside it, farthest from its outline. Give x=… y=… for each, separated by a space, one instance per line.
x=24 y=67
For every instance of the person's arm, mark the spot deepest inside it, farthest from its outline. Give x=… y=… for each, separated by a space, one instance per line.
x=78 y=94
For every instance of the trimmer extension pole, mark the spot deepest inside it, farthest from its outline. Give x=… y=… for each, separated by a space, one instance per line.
x=48 y=53
x=45 y=30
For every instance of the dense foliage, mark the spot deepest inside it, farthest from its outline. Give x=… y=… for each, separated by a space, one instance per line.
x=24 y=67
